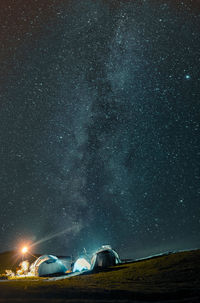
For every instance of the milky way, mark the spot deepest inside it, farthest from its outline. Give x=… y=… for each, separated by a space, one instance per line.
x=100 y=125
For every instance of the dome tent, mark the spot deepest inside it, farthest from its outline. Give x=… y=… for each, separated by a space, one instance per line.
x=104 y=258
x=81 y=264
x=49 y=265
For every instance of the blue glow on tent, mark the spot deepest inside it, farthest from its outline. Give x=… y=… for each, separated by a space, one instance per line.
x=81 y=264
x=48 y=265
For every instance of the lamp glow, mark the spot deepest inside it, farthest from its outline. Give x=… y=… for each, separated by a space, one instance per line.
x=24 y=250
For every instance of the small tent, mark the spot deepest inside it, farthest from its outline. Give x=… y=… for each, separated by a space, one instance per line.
x=81 y=264
x=47 y=265
x=104 y=257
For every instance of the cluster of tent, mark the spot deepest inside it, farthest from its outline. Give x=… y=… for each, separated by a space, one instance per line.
x=47 y=265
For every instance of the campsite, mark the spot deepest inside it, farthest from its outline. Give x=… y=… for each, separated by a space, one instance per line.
x=100 y=151
x=172 y=277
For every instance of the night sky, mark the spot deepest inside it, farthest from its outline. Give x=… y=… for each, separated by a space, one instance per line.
x=99 y=125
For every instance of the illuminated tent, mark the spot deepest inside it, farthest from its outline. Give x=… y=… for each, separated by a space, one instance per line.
x=47 y=265
x=81 y=264
x=104 y=257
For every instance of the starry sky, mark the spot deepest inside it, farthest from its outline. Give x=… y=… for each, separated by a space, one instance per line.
x=99 y=125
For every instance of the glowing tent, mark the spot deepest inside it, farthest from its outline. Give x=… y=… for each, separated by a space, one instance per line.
x=81 y=264
x=104 y=257
x=47 y=265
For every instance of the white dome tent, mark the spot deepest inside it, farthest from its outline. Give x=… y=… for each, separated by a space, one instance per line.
x=48 y=265
x=81 y=265
x=104 y=257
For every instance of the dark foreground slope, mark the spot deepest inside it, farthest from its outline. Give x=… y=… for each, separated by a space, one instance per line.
x=170 y=278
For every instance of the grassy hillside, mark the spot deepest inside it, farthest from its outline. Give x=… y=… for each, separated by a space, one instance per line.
x=174 y=276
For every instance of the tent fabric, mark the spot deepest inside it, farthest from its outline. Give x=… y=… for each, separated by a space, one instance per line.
x=49 y=265
x=42 y=259
x=104 y=258
x=67 y=261
x=81 y=264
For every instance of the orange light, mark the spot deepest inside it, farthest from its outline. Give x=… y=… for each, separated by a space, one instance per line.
x=24 y=250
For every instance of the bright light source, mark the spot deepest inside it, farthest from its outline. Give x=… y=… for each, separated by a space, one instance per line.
x=24 y=249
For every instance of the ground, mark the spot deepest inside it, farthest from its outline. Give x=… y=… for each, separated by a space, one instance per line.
x=169 y=278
